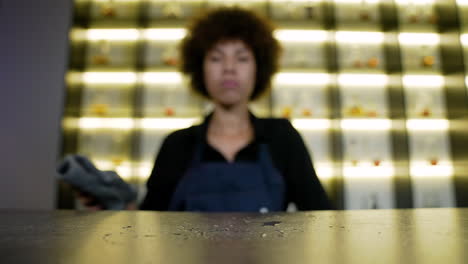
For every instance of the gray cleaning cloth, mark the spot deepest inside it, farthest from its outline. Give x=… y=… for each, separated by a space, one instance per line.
x=110 y=190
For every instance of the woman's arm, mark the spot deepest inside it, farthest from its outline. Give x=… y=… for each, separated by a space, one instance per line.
x=305 y=189
x=171 y=162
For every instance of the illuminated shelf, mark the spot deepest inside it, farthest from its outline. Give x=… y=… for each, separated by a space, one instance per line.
x=419 y=38
x=311 y=124
x=415 y=2
x=363 y=80
x=357 y=1
x=367 y=170
x=283 y=35
x=369 y=124
x=300 y=78
x=427 y=124
x=422 y=169
x=324 y=170
x=126 y=169
x=424 y=80
x=359 y=37
x=292 y=78
x=282 y=78
x=95 y=123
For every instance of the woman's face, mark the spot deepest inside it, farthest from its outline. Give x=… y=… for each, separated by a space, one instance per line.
x=229 y=71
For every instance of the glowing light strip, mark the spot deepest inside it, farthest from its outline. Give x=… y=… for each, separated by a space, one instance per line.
x=109 y=77
x=290 y=78
x=233 y=1
x=106 y=123
x=113 y=34
x=357 y=1
x=419 y=38
x=164 y=34
x=115 y=1
x=175 y=34
x=126 y=169
x=296 y=1
x=368 y=170
x=423 y=169
x=415 y=2
x=89 y=123
x=324 y=170
x=427 y=124
x=424 y=80
x=166 y=123
x=301 y=35
x=462 y=2
x=359 y=37
x=464 y=38
x=284 y=78
x=161 y=77
x=366 y=124
x=374 y=80
x=311 y=124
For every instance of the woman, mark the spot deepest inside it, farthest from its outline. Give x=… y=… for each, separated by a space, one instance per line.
x=233 y=161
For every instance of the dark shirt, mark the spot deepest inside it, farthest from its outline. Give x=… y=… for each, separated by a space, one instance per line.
x=286 y=148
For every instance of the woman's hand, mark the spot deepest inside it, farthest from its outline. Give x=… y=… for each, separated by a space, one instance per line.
x=88 y=201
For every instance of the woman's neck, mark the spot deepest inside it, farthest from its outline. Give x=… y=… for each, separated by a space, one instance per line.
x=230 y=121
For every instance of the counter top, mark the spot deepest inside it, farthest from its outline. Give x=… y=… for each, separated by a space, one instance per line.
x=365 y=236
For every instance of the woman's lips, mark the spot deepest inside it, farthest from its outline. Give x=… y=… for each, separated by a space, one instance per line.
x=229 y=84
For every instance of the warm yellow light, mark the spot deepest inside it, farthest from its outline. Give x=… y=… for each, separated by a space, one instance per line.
x=109 y=77
x=311 y=124
x=113 y=34
x=324 y=170
x=74 y=77
x=374 y=80
x=427 y=124
x=419 y=38
x=359 y=37
x=462 y=2
x=357 y=1
x=464 y=39
x=423 y=169
x=166 y=123
x=366 y=124
x=106 y=123
x=234 y=1
x=415 y=2
x=164 y=34
x=368 y=170
x=296 y=1
x=301 y=35
x=161 y=78
x=126 y=169
x=115 y=1
x=89 y=123
x=289 y=78
x=144 y=170
x=423 y=80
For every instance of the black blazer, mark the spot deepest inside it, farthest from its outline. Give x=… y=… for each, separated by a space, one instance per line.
x=286 y=147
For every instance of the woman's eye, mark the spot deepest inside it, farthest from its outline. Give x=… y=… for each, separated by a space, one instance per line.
x=214 y=58
x=243 y=59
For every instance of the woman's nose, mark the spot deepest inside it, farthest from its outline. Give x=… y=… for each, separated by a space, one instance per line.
x=229 y=65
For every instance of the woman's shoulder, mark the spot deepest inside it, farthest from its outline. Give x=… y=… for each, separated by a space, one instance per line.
x=276 y=126
x=183 y=136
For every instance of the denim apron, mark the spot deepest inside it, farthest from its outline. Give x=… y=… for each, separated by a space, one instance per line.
x=230 y=187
